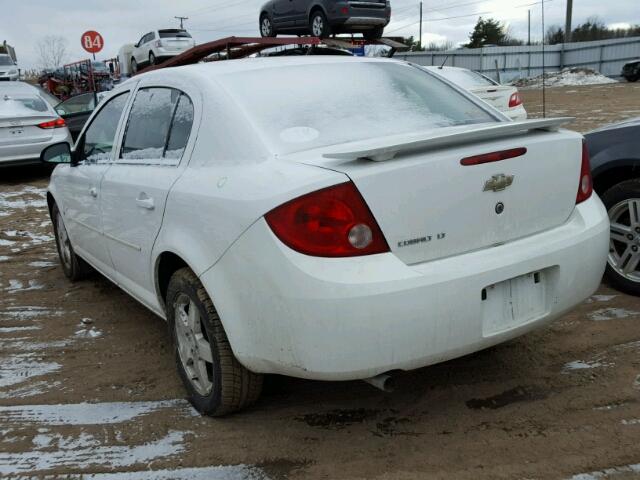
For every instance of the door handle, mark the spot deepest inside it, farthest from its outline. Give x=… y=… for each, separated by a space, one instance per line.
x=144 y=201
x=93 y=191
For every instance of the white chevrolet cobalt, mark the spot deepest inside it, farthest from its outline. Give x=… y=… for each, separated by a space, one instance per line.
x=331 y=218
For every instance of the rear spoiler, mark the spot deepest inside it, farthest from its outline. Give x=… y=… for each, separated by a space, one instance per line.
x=386 y=148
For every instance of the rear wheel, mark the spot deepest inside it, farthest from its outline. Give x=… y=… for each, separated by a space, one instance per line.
x=152 y=58
x=73 y=266
x=319 y=25
x=623 y=265
x=373 y=34
x=134 y=66
x=217 y=383
x=266 y=27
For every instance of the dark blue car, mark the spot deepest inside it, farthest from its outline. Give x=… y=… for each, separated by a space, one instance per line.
x=322 y=18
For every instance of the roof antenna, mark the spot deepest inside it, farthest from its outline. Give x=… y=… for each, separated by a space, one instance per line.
x=544 y=83
x=445 y=61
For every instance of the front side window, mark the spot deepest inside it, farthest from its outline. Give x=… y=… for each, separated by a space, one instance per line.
x=97 y=143
x=158 y=127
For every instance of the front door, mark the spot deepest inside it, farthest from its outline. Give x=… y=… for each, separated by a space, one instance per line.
x=135 y=188
x=80 y=186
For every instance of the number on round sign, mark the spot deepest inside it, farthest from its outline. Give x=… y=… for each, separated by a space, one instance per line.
x=92 y=41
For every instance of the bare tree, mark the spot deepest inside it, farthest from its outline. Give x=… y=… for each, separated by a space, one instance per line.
x=51 y=50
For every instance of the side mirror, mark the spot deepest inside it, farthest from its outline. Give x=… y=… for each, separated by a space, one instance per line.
x=56 y=153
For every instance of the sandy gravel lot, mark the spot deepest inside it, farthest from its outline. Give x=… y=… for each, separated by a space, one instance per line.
x=88 y=387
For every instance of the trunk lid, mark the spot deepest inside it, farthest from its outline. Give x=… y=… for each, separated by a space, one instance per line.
x=429 y=206
x=495 y=95
x=24 y=130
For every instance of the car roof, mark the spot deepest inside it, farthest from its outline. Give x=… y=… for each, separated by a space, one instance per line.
x=213 y=69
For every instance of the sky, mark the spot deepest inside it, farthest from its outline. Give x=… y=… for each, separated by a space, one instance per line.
x=24 y=22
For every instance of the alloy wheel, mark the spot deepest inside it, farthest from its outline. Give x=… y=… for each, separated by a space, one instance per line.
x=193 y=345
x=63 y=242
x=317 y=26
x=265 y=27
x=624 y=244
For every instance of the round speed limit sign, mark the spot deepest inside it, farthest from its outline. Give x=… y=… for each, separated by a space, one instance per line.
x=92 y=41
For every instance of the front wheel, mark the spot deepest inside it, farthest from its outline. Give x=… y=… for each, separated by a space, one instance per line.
x=373 y=34
x=217 y=383
x=319 y=25
x=623 y=264
x=266 y=27
x=74 y=267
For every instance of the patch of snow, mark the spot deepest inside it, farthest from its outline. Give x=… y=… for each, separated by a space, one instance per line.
x=33 y=388
x=611 y=314
x=42 y=264
x=582 y=365
x=633 y=421
x=23 y=367
x=18 y=286
x=19 y=329
x=608 y=472
x=92 y=332
x=4 y=258
x=566 y=77
x=222 y=472
x=83 y=456
x=601 y=298
x=89 y=413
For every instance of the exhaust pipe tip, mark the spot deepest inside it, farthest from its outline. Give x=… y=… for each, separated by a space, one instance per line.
x=384 y=382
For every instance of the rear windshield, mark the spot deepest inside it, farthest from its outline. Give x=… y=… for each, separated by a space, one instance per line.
x=465 y=78
x=174 y=34
x=30 y=102
x=299 y=107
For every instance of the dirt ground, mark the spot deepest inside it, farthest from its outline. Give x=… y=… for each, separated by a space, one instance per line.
x=88 y=386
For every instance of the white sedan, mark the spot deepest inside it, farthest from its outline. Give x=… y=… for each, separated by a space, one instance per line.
x=28 y=124
x=505 y=98
x=331 y=218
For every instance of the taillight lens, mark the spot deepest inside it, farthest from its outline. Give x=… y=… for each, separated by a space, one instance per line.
x=494 y=156
x=57 y=123
x=515 y=100
x=585 y=187
x=332 y=222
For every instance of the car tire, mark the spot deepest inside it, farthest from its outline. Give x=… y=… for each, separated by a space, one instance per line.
x=319 y=25
x=618 y=201
x=373 y=34
x=266 y=26
x=74 y=267
x=222 y=385
x=134 y=66
x=152 y=58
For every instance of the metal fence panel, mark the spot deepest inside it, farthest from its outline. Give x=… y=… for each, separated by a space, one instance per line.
x=605 y=56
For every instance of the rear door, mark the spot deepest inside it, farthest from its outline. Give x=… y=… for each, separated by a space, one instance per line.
x=154 y=152
x=283 y=13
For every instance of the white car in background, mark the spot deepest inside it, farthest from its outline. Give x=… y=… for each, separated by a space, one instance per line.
x=348 y=218
x=28 y=124
x=159 y=45
x=505 y=98
x=8 y=68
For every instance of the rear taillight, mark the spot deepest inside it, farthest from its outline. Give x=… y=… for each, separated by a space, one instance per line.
x=515 y=100
x=57 y=123
x=158 y=43
x=494 y=156
x=332 y=222
x=585 y=187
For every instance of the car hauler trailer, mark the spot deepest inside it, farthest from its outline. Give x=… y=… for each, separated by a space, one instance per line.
x=239 y=47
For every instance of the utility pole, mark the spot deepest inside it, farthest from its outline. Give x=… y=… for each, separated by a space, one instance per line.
x=567 y=25
x=529 y=28
x=181 y=20
x=420 y=38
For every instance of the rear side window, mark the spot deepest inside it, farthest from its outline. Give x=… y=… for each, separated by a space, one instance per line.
x=158 y=127
x=169 y=33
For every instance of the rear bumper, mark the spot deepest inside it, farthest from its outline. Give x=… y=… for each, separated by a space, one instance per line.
x=353 y=318
x=361 y=15
x=28 y=153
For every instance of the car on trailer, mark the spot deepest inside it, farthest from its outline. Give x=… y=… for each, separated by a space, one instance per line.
x=159 y=45
x=323 y=18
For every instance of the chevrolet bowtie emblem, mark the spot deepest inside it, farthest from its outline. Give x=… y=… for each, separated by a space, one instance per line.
x=498 y=182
